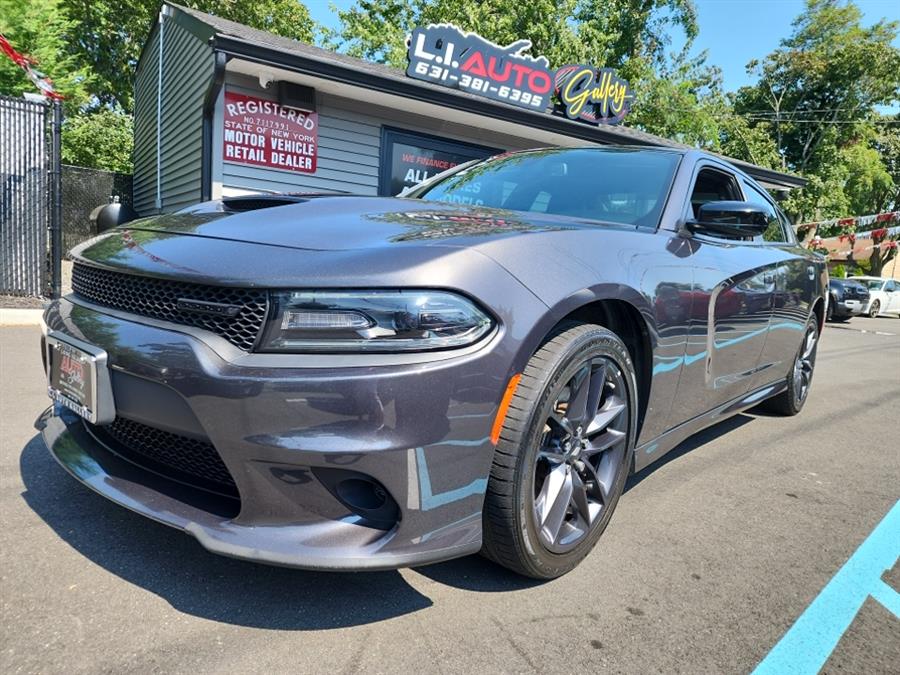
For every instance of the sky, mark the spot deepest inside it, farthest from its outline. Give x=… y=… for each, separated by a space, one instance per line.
x=733 y=31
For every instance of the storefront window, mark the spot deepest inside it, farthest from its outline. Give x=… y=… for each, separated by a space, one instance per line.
x=407 y=158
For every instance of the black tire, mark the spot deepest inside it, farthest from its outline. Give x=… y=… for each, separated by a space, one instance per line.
x=874 y=309
x=511 y=532
x=791 y=401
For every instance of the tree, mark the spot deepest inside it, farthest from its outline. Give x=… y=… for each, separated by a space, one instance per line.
x=107 y=35
x=99 y=140
x=681 y=100
x=887 y=143
x=868 y=186
x=40 y=30
x=824 y=81
x=740 y=139
x=377 y=29
x=612 y=33
x=884 y=250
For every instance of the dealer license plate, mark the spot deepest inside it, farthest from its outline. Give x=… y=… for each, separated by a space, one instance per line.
x=72 y=374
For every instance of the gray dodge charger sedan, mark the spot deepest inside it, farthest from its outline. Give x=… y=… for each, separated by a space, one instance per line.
x=342 y=382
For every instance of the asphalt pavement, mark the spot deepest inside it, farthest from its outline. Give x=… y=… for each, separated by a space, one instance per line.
x=710 y=559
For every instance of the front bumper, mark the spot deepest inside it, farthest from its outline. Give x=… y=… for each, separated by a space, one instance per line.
x=421 y=430
x=849 y=307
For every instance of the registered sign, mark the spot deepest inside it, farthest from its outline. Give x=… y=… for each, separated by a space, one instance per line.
x=259 y=132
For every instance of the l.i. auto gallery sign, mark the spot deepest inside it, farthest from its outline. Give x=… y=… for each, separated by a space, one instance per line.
x=263 y=133
x=446 y=55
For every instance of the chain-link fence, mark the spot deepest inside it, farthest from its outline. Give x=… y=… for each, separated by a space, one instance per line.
x=83 y=190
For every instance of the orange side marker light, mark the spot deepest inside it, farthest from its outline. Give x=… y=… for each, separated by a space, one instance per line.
x=504 y=407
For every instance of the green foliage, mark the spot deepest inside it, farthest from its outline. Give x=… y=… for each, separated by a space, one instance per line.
x=108 y=35
x=98 y=140
x=819 y=88
x=613 y=33
x=887 y=143
x=681 y=100
x=816 y=98
x=862 y=268
x=839 y=272
x=751 y=142
x=869 y=188
x=40 y=30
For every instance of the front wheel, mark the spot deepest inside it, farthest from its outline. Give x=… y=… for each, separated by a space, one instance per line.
x=790 y=402
x=874 y=309
x=564 y=453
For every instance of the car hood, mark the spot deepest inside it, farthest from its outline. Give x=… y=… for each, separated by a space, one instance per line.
x=347 y=223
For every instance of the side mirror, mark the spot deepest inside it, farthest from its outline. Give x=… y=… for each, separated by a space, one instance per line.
x=735 y=220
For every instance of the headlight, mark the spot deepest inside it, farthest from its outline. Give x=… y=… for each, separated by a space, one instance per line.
x=372 y=321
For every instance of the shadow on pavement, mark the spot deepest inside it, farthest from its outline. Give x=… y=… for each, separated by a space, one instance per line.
x=172 y=565
x=700 y=438
x=476 y=573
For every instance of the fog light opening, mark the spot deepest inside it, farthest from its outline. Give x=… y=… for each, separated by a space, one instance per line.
x=362 y=494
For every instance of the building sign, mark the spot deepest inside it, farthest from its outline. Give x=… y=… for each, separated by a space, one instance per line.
x=263 y=133
x=445 y=55
x=592 y=95
x=409 y=159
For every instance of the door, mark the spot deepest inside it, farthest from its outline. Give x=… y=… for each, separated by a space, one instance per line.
x=892 y=291
x=734 y=289
x=795 y=289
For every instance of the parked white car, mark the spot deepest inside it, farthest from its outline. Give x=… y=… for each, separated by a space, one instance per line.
x=884 y=296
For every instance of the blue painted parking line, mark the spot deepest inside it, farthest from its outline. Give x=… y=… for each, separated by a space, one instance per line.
x=812 y=638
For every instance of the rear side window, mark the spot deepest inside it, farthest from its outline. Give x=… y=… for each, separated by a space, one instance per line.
x=775 y=232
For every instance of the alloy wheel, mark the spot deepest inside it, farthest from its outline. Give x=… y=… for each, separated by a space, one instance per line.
x=803 y=366
x=874 y=309
x=580 y=454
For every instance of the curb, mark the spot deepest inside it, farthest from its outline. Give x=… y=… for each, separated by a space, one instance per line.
x=20 y=317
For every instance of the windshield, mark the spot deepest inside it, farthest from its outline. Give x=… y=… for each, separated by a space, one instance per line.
x=612 y=184
x=872 y=284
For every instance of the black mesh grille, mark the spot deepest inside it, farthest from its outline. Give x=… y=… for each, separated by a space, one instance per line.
x=158 y=298
x=189 y=460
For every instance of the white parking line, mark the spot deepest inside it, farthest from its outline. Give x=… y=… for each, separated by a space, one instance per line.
x=862 y=330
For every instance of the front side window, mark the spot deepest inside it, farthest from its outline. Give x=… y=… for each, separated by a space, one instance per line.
x=607 y=184
x=713 y=186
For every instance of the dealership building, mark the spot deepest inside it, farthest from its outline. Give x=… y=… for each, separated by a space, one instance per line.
x=222 y=109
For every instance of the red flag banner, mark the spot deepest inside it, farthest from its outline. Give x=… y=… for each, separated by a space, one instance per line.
x=41 y=81
x=841 y=238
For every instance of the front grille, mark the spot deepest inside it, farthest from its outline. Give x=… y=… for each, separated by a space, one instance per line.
x=158 y=298
x=187 y=460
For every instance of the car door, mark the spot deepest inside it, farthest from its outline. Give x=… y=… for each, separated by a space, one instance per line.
x=734 y=290
x=893 y=296
x=795 y=290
